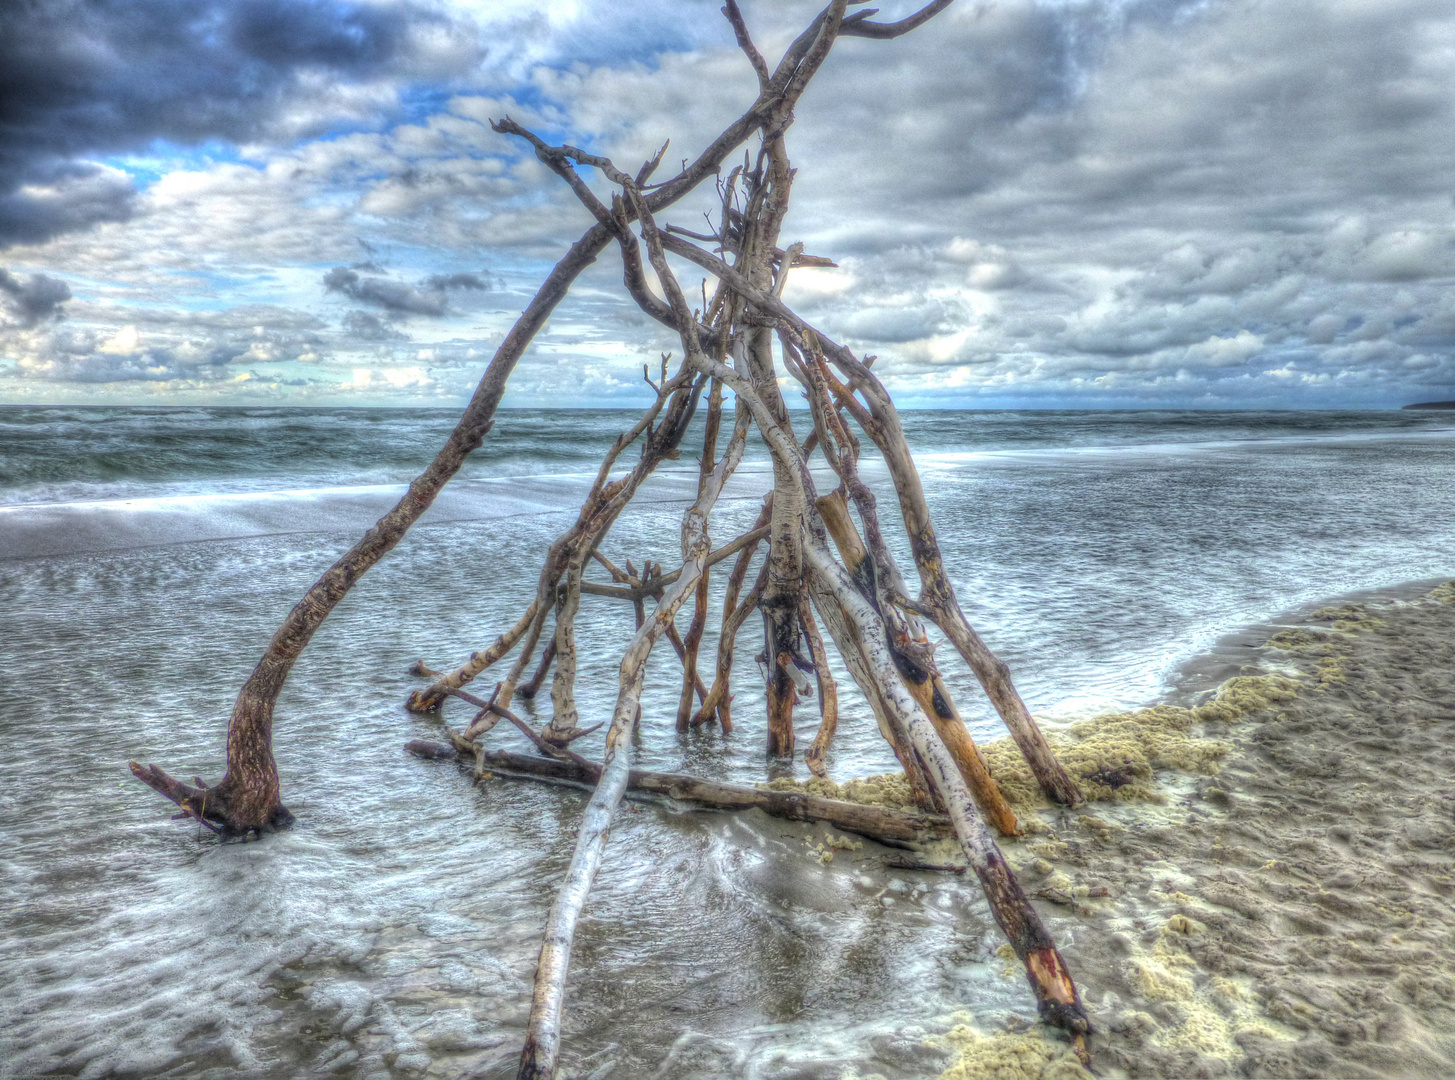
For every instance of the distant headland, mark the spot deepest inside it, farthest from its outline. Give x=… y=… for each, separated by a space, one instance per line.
x=1433 y=405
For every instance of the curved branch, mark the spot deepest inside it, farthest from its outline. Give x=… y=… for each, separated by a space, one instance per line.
x=252 y=774
x=478 y=662
x=855 y=25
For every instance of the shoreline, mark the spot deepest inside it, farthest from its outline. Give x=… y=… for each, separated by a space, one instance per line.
x=1200 y=675
x=1283 y=905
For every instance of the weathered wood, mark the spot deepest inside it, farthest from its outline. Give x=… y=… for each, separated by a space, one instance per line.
x=543 y=1033
x=699 y=610
x=478 y=662
x=719 y=698
x=834 y=512
x=635 y=589
x=563 y=684
x=872 y=622
x=639 y=605
x=434 y=751
x=881 y=583
x=884 y=824
x=937 y=595
x=779 y=605
x=864 y=634
x=676 y=401
x=775 y=100
x=1056 y=995
x=938 y=598
x=248 y=794
x=910 y=862
x=828 y=691
x=532 y=688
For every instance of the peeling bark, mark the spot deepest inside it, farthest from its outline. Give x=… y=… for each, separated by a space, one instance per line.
x=719 y=699
x=563 y=686
x=699 y=611
x=828 y=691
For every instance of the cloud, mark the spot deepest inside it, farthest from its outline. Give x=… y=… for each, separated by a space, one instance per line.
x=366 y=326
x=477 y=282
x=1153 y=195
x=393 y=296
x=52 y=197
x=399 y=298
x=154 y=346
x=80 y=78
x=34 y=300
x=390 y=378
x=1219 y=202
x=86 y=356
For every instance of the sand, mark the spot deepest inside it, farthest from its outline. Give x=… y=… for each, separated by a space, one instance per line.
x=1279 y=864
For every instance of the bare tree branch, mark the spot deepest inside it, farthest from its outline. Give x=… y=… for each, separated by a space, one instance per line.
x=745 y=42
x=856 y=26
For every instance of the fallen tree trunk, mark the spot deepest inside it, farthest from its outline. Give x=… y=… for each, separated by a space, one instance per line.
x=885 y=824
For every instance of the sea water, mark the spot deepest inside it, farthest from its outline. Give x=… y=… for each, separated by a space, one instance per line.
x=147 y=555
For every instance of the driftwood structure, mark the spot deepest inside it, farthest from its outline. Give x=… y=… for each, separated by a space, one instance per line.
x=827 y=580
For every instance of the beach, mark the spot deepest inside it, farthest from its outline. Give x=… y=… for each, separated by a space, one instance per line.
x=394 y=930
x=1287 y=909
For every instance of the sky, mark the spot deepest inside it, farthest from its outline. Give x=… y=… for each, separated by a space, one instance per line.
x=1032 y=203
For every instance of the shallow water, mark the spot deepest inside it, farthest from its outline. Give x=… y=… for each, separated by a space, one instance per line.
x=394 y=932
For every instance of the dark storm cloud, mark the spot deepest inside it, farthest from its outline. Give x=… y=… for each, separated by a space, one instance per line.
x=33 y=300
x=81 y=78
x=399 y=298
x=52 y=197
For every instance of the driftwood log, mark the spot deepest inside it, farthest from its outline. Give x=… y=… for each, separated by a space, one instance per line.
x=827 y=561
x=885 y=824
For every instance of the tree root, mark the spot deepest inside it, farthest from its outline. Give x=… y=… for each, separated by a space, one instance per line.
x=210 y=805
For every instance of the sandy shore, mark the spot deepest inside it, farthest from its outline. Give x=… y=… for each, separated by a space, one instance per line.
x=1279 y=864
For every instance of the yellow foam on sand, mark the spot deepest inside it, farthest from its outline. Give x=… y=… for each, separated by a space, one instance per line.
x=1005 y=1056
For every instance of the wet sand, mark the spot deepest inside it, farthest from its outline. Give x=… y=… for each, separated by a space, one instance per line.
x=1280 y=864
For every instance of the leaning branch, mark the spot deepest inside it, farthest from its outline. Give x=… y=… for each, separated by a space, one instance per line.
x=543 y=1031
